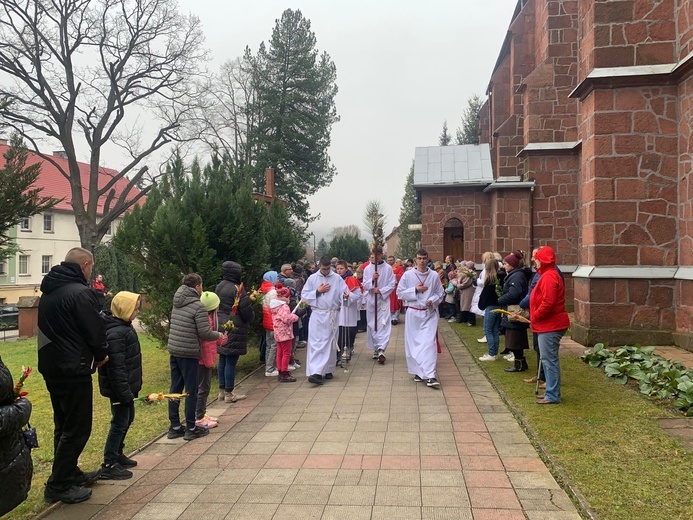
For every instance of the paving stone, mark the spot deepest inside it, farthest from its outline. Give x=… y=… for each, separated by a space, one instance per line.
x=348 y=512
x=444 y=497
x=553 y=515
x=398 y=495
x=389 y=477
x=81 y=511
x=308 y=494
x=186 y=493
x=446 y=513
x=401 y=448
x=197 y=476
x=356 y=477
x=306 y=476
x=497 y=514
x=291 y=511
x=398 y=512
x=263 y=494
x=254 y=511
x=361 y=495
x=533 y=480
x=221 y=493
x=275 y=476
x=164 y=511
x=441 y=478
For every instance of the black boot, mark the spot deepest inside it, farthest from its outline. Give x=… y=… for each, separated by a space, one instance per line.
x=519 y=366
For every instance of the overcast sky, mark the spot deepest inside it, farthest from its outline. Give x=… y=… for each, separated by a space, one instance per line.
x=403 y=67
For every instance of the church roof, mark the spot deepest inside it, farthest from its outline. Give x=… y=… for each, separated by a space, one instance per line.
x=467 y=164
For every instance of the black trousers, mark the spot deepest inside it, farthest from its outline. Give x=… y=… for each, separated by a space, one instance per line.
x=72 y=414
x=122 y=416
x=346 y=337
x=183 y=376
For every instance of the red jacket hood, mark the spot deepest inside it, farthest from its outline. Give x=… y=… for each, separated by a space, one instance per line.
x=547 y=257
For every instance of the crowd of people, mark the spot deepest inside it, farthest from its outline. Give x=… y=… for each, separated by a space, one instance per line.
x=320 y=308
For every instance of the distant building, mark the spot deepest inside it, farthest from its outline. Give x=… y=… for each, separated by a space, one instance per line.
x=589 y=127
x=44 y=239
x=392 y=241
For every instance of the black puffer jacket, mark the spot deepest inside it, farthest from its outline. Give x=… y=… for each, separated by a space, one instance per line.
x=515 y=288
x=16 y=468
x=237 y=345
x=72 y=332
x=121 y=378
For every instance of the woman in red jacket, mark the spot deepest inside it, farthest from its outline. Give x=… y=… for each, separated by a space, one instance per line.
x=549 y=320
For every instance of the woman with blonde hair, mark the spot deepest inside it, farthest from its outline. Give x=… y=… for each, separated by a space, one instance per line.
x=488 y=302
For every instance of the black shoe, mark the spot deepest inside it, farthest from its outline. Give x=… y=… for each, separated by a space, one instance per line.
x=520 y=365
x=115 y=472
x=381 y=358
x=175 y=433
x=329 y=376
x=418 y=379
x=73 y=495
x=126 y=462
x=432 y=383
x=195 y=433
x=88 y=478
x=315 y=379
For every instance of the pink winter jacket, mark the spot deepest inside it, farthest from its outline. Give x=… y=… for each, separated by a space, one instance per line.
x=209 y=348
x=283 y=320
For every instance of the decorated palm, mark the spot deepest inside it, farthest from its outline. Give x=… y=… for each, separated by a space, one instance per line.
x=374 y=219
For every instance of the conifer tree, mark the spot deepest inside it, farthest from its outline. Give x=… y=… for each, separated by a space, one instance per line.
x=294 y=110
x=410 y=213
x=444 y=139
x=468 y=133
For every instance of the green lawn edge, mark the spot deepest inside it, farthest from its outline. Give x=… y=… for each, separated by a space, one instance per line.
x=151 y=421
x=602 y=443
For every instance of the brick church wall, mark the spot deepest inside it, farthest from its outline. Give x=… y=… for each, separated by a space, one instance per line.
x=471 y=206
x=684 y=288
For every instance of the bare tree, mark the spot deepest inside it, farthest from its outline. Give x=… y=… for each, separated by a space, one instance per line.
x=228 y=117
x=83 y=72
x=349 y=230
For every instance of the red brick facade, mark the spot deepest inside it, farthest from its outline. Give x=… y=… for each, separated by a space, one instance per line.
x=593 y=102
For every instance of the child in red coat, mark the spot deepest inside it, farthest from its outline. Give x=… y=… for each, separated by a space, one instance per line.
x=207 y=358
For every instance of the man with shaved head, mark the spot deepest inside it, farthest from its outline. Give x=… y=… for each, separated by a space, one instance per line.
x=71 y=345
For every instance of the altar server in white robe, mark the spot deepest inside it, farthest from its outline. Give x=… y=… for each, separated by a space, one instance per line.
x=349 y=314
x=421 y=289
x=325 y=292
x=377 y=286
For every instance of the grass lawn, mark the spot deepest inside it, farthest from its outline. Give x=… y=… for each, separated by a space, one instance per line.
x=604 y=436
x=150 y=420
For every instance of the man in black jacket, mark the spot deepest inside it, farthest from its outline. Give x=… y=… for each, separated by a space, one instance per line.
x=71 y=345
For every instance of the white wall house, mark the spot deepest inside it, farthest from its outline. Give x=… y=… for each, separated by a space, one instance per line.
x=44 y=239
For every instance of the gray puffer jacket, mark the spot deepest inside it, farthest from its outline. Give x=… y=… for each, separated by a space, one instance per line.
x=189 y=324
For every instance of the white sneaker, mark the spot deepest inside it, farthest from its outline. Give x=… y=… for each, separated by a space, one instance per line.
x=273 y=373
x=486 y=357
x=482 y=340
x=292 y=368
x=452 y=320
x=509 y=357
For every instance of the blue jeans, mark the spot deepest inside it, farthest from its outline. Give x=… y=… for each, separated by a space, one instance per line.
x=227 y=371
x=548 y=348
x=183 y=375
x=122 y=416
x=492 y=321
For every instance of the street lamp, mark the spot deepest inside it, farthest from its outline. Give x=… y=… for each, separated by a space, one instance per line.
x=313 y=234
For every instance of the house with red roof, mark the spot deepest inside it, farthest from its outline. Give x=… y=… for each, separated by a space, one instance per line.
x=44 y=239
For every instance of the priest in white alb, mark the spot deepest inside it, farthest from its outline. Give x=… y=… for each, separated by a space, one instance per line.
x=378 y=282
x=421 y=289
x=325 y=292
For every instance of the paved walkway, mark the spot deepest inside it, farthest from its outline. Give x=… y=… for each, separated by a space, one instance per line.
x=369 y=444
